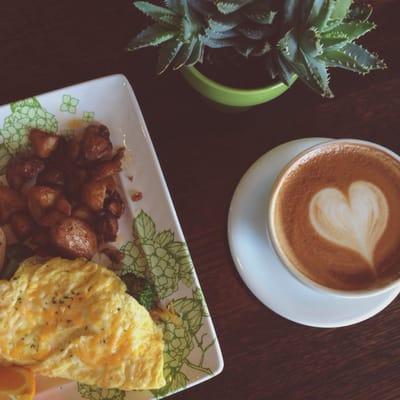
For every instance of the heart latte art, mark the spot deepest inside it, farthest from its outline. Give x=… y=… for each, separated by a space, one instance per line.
x=335 y=216
x=355 y=221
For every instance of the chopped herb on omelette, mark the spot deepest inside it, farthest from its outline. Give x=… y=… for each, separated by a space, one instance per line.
x=74 y=320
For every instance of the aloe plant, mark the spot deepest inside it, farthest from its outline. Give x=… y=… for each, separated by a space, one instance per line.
x=176 y=31
x=319 y=34
x=246 y=25
x=296 y=37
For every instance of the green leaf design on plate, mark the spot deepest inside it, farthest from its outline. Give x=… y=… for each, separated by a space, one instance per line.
x=69 y=104
x=25 y=114
x=134 y=259
x=198 y=295
x=157 y=256
x=94 y=393
x=181 y=337
x=88 y=116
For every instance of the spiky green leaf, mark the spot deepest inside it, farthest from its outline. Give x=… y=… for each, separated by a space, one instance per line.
x=175 y=5
x=310 y=9
x=264 y=18
x=184 y=54
x=222 y=23
x=167 y=53
x=310 y=70
x=157 y=13
x=151 y=36
x=232 y=33
x=333 y=43
x=341 y=9
x=310 y=42
x=260 y=11
x=350 y=30
x=290 y=14
x=320 y=21
x=288 y=46
x=197 y=54
x=218 y=43
x=283 y=70
x=317 y=76
x=230 y=6
x=354 y=58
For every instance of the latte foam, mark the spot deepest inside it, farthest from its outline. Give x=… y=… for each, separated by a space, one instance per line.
x=335 y=216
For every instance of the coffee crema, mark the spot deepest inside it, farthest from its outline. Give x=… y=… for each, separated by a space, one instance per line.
x=335 y=216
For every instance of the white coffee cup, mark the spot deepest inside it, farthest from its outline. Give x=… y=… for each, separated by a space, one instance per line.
x=271 y=229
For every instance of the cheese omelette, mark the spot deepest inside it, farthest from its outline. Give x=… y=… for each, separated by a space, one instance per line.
x=74 y=320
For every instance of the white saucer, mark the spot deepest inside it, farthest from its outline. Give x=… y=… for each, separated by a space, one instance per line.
x=264 y=273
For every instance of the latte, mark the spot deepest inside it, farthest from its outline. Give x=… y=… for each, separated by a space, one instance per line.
x=335 y=215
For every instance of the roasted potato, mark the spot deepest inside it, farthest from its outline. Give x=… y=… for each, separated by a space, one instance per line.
x=40 y=200
x=51 y=176
x=83 y=213
x=107 y=228
x=64 y=194
x=74 y=148
x=10 y=202
x=75 y=177
x=43 y=143
x=21 y=169
x=115 y=255
x=74 y=238
x=105 y=169
x=22 y=225
x=114 y=204
x=51 y=218
x=63 y=205
x=96 y=144
x=94 y=192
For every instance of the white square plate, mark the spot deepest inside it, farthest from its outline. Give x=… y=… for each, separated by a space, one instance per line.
x=150 y=235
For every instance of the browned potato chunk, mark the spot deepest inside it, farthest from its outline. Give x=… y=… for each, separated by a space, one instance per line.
x=96 y=144
x=115 y=255
x=21 y=169
x=83 y=213
x=74 y=179
x=74 y=238
x=107 y=228
x=10 y=202
x=105 y=169
x=74 y=148
x=114 y=204
x=94 y=193
x=22 y=225
x=119 y=154
x=51 y=218
x=40 y=199
x=43 y=143
x=63 y=205
x=51 y=176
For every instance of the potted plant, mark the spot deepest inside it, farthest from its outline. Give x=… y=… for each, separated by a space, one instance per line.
x=240 y=53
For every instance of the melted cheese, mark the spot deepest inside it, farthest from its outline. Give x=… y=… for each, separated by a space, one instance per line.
x=74 y=320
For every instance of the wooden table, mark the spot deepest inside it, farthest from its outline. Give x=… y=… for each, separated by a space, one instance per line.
x=49 y=44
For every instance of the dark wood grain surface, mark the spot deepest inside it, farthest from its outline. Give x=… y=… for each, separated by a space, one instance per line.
x=49 y=44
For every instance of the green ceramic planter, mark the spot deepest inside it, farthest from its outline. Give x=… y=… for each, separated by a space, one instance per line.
x=231 y=97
